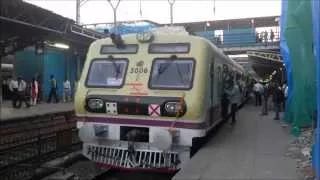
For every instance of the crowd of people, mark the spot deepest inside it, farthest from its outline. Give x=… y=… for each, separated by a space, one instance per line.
x=265 y=95
x=19 y=91
x=274 y=91
x=264 y=36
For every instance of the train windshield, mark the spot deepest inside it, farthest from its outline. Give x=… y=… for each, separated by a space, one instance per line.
x=107 y=73
x=172 y=74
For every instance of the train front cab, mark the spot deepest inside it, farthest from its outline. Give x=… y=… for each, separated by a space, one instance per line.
x=128 y=114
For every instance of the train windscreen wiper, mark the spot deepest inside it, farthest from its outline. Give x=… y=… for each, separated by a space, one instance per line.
x=115 y=66
x=162 y=69
x=183 y=80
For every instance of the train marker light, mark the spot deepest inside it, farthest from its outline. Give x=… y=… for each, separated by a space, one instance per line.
x=95 y=103
x=111 y=108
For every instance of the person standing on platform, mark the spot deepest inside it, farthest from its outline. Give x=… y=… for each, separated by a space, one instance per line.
x=271 y=35
x=53 y=89
x=13 y=87
x=39 y=99
x=235 y=99
x=224 y=104
x=277 y=97
x=265 y=36
x=265 y=97
x=34 y=91
x=22 y=87
x=285 y=93
x=66 y=91
x=258 y=88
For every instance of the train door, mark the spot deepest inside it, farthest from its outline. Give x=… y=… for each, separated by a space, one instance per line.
x=212 y=93
x=218 y=90
x=225 y=79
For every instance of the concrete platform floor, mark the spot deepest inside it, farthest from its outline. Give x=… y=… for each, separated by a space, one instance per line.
x=8 y=113
x=252 y=149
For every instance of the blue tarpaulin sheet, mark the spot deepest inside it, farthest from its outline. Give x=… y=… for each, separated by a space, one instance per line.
x=284 y=50
x=316 y=48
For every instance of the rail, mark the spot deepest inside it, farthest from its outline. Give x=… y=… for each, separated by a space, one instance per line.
x=25 y=145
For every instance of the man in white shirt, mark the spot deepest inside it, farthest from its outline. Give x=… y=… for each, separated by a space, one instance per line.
x=258 y=90
x=13 y=87
x=22 y=85
x=285 y=93
x=66 y=91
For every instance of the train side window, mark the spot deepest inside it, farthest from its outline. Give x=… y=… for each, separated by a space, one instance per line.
x=107 y=73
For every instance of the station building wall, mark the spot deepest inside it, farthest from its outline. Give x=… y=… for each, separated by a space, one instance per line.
x=59 y=63
x=231 y=37
x=239 y=37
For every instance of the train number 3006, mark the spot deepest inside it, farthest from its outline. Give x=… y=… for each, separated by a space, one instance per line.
x=139 y=70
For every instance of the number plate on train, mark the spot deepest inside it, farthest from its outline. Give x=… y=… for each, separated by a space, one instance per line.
x=100 y=131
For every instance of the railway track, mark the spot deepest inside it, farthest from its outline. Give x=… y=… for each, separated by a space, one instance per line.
x=87 y=170
x=26 y=144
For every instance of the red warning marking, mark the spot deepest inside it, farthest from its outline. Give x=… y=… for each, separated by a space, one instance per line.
x=154 y=110
x=134 y=84
x=136 y=88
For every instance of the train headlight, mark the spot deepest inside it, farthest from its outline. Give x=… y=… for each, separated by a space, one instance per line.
x=174 y=108
x=95 y=104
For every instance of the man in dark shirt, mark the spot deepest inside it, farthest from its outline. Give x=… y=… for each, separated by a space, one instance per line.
x=277 y=97
x=265 y=98
x=224 y=105
x=53 y=89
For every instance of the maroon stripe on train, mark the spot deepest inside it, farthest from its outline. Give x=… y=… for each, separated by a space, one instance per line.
x=143 y=122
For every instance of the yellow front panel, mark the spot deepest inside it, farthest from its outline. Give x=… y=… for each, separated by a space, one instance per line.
x=136 y=84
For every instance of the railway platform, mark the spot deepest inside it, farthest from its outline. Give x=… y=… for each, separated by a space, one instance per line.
x=31 y=137
x=9 y=113
x=254 y=148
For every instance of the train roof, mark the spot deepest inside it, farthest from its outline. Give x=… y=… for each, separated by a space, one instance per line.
x=181 y=31
x=225 y=57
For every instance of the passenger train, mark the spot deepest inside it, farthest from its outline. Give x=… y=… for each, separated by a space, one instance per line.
x=143 y=100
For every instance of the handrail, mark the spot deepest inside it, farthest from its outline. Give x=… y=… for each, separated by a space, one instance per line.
x=231 y=39
x=276 y=57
